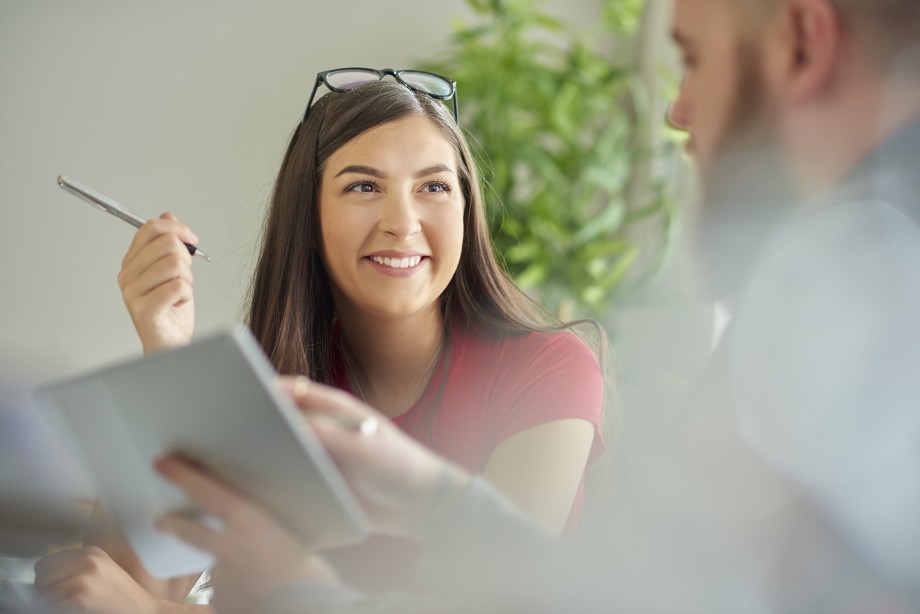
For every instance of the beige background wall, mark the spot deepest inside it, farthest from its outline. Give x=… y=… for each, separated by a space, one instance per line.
x=173 y=105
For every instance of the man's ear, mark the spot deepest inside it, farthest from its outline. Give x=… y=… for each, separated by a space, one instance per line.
x=810 y=35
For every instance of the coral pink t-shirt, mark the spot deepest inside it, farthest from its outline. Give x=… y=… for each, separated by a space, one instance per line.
x=483 y=390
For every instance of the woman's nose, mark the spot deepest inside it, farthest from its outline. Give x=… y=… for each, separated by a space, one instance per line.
x=400 y=217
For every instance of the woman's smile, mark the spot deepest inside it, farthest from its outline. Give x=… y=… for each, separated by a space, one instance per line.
x=409 y=262
x=397 y=267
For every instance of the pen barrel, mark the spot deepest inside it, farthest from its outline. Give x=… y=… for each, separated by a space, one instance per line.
x=128 y=217
x=108 y=205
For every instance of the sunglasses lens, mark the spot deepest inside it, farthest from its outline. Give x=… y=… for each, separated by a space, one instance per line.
x=350 y=79
x=428 y=83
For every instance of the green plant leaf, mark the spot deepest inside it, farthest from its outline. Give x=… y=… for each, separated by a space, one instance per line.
x=554 y=119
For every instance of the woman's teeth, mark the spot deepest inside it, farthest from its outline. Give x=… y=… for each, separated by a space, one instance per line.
x=398 y=263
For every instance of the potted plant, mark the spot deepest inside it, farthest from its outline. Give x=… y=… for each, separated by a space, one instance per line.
x=555 y=118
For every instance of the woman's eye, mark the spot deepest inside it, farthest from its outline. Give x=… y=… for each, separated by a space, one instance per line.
x=362 y=186
x=436 y=186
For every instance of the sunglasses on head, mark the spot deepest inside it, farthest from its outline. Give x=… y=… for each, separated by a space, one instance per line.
x=345 y=79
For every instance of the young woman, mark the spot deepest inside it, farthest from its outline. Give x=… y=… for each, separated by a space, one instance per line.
x=376 y=275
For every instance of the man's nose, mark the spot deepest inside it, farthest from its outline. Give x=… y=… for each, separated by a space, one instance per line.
x=678 y=113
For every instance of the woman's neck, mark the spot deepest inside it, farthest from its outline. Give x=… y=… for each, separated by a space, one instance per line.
x=390 y=360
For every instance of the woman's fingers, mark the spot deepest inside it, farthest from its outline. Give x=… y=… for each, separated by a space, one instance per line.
x=57 y=576
x=164 y=258
x=206 y=492
x=193 y=531
x=55 y=567
x=209 y=495
x=314 y=398
x=156 y=255
x=169 y=294
x=166 y=224
x=325 y=405
x=165 y=271
x=156 y=283
x=89 y=580
x=254 y=552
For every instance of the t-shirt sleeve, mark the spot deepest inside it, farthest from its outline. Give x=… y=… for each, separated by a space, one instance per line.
x=554 y=377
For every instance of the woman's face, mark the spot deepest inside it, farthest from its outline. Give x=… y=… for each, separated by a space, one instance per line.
x=391 y=215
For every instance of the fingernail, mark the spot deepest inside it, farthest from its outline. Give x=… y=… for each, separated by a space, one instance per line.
x=301 y=386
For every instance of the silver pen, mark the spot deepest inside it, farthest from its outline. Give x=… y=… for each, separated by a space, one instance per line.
x=108 y=205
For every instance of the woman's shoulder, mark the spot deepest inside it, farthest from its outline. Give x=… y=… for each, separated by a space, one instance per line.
x=544 y=345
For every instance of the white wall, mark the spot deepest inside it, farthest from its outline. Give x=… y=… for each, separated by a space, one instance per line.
x=172 y=105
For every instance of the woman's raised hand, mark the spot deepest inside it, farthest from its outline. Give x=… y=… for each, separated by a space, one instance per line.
x=156 y=283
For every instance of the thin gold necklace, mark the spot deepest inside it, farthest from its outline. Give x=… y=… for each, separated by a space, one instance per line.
x=424 y=376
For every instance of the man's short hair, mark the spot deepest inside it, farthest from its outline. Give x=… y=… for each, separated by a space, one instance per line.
x=890 y=30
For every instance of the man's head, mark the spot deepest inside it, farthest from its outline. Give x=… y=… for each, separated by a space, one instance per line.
x=722 y=74
x=788 y=64
x=784 y=97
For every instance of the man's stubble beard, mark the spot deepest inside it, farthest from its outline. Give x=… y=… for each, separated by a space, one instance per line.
x=747 y=189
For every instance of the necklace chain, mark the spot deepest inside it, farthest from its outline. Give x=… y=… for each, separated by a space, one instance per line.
x=418 y=383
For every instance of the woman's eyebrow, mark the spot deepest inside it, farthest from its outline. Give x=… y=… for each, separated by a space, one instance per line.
x=361 y=170
x=433 y=169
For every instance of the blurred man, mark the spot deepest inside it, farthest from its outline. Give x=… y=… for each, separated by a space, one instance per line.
x=804 y=118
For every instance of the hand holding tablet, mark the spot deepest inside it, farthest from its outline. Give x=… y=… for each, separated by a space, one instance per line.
x=215 y=402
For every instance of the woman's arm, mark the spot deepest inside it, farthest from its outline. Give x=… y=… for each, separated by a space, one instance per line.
x=544 y=425
x=540 y=469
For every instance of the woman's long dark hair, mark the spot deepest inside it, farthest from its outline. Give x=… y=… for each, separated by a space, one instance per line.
x=290 y=308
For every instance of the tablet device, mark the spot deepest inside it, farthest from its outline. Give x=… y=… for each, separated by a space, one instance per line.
x=216 y=401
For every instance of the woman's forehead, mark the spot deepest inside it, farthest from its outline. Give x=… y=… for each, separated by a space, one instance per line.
x=403 y=145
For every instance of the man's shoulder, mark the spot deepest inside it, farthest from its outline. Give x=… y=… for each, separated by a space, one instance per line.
x=855 y=242
x=841 y=284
